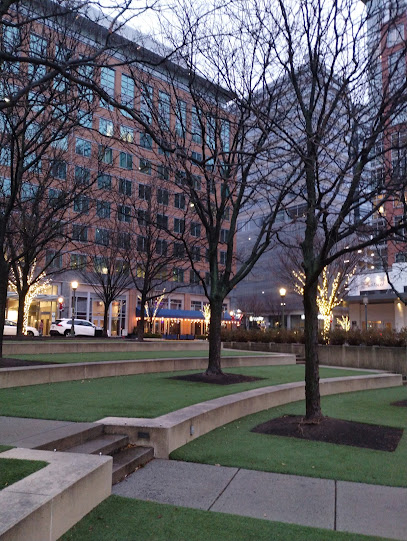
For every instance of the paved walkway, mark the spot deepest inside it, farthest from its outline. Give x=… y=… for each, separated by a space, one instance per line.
x=323 y=503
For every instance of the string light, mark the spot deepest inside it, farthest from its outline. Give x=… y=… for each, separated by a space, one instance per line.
x=35 y=288
x=206 y=311
x=344 y=322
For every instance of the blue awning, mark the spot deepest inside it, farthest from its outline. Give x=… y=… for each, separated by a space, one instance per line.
x=181 y=314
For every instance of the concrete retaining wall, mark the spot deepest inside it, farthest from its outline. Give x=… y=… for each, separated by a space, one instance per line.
x=22 y=376
x=170 y=431
x=47 y=503
x=69 y=345
x=370 y=357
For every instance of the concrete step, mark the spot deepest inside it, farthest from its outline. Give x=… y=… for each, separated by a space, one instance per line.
x=128 y=460
x=71 y=436
x=107 y=444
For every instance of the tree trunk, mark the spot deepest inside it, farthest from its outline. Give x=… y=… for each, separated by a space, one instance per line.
x=312 y=396
x=22 y=294
x=214 y=362
x=105 y=319
x=4 y=272
x=140 y=322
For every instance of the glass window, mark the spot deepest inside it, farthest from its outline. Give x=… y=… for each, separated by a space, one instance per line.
x=143 y=217
x=104 y=181
x=162 y=221
x=146 y=102
x=179 y=250
x=164 y=104
x=196 y=126
x=146 y=141
x=125 y=186
x=126 y=161
x=102 y=236
x=83 y=147
x=144 y=192
x=145 y=166
x=78 y=261
x=179 y=225
x=127 y=93
x=162 y=196
x=81 y=204
x=106 y=127
x=179 y=201
x=178 y=275
x=79 y=232
x=127 y=134
x=141 y=243
x=195 y=229
x=38 y=49
x=107 y=83
x=181 y=118
x=222 y=258
x=82 y=175
x=124 y=213
x=58 y=169
x=106 y=154
x=103 y=209
x=194 y=279
x=195 y=253
x=85 y=119
x=163 y=172
x=161 y=247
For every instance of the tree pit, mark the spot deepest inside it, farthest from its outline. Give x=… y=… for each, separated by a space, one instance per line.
x=218 y=379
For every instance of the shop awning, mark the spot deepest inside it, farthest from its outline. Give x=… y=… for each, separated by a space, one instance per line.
x=181 y=314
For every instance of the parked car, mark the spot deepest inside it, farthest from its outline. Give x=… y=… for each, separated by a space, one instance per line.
x=10 y=329
x=82 y=328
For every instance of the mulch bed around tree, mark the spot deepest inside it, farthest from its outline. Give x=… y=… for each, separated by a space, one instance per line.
x=329 y=430
x=402 y=403
x=6 y=362
x=222 y=379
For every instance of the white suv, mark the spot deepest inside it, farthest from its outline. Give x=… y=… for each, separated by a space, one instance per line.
x=81 y=327
x=10 y=329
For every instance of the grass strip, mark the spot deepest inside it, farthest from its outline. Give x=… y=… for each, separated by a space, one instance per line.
x=12 y=469
x=62 y=358
x=143 y=395
x=234 y=445
x=124 y=519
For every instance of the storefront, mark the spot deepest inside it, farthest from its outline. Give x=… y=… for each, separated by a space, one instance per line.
x=177 y=322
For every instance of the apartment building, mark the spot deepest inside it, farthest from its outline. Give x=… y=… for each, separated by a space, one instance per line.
x=131 y=202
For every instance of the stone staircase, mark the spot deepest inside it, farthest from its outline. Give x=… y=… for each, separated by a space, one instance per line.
x=92 y=440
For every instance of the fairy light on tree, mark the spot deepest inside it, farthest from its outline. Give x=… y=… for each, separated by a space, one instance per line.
x=36 y=286
x=207 y=316
x=329 y=293
x=344 y=322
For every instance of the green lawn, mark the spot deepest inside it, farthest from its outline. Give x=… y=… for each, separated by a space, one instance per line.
x=235 y=445
x=126 y=356
x=12 y=470
x=145 y=395
x=123 y=519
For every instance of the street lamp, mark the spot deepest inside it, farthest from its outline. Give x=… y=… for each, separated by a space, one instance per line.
x=282 y=292
x=74 y=286
x=365 y=302
x=60 y=305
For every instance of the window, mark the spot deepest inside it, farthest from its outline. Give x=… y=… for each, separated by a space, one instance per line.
x=123 y=240
x=79 y=232
x=196 y=156
x=143 y=217
x=28 y=191
x=146 y=141
x=107 y=84
x=225 y=135
x=103 y=209
x=83 y=147
x=226 y=215
x=141 y=243
x=163 y=172
x=55 y=197
x=5 y=156
x=145 y=166
x=396 y=71
x=58 y=169
x=208 y=278
x=78 y=261
x=224 y=233
x=180 y=178
x=127 y=93
x=127 y=134
x=175 y=304
x=100 y=265
x=179 y=225
x=53 y=259
x=38 y=49
x=146 y=102
x=395 y=34
x=161 y=247
x=162 y=196
x=178 y=275
x=195 y=253
x=211 y=132
x=11 y=43
x=162 y=221
x=126 y=161
x=124 y=213
x=85 y=119
x=222 y=258
x=401 y=257
x=196 y=126
x=144 y=192
x=196 y=305
x=81 y=204
x=125 y=186
x=104 y=181
x=61 y=143
x=164 y=103
x=179 y=200
x=82 y=175
x=179 y=250
x=106 y=127
x=181 y=118
x=195 y=280
x=195 y=229
x=196 y=182
x=102 y=236
x=105 y=154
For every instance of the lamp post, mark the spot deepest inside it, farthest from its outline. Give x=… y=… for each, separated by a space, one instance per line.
x=283 y=292
x=60 y=305
x=74 y=286
x=365 y=302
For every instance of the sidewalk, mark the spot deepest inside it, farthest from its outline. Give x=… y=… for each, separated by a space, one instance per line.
x=323 y=503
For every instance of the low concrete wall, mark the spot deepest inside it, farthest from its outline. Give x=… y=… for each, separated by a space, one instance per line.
x=170 y=431
x=69 y=345
x=370 y=357
x=47 y=503
x=22 y=376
